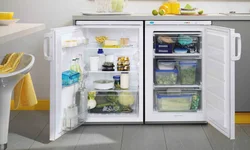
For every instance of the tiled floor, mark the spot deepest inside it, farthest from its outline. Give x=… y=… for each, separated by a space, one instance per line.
x=30 y=130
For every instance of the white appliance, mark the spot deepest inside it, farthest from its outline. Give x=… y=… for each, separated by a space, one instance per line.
x=219 y=48
x=60 y=58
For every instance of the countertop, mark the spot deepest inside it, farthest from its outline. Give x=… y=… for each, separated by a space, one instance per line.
x=17 y=30
x=167 y=17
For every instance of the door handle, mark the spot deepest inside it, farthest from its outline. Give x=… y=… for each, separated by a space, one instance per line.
x=239 y=47
x=46 y=47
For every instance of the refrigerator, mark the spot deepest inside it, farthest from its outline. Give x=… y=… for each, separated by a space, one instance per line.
x=112 y=105
x=190 y=73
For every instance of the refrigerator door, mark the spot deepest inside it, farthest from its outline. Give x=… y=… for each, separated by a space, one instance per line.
x=219 y=83
x=60 y=98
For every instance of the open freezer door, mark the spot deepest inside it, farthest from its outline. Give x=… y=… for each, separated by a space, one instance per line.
x=220 y=57
x=63 y=116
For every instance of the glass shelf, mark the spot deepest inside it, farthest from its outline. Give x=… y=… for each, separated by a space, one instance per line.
x=111 y=72
x=178 y=55
x=177 y=86
x=131 y=89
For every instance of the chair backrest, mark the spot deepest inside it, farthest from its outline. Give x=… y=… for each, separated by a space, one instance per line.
x=26 y=63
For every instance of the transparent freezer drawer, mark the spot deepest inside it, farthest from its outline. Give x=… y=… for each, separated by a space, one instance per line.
x=115 y=102
x=166 y=77
x=177 y=101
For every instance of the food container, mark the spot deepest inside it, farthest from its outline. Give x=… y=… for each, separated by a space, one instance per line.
x=94 y=63
x=125 y=80
x=123 y=63
x=166 y=77
x=6 y=15
x=70 y=77
x=108 y=66
x=166 y=65
x=103 y=6
x=180 y=50
x=188 y=72
x=103 y=84
x=117 y=82
x=174 y=102
x=164 y=44
x=118 y=5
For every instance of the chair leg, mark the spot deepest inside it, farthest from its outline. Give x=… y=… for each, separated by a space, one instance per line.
x=5 y=97
x=3 y=146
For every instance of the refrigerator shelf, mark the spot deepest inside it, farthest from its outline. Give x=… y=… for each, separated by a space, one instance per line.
x=94 y=46
x=131 y=89
x=179 y=55
x=111 y=72
x=177 y=86
x=72 y=123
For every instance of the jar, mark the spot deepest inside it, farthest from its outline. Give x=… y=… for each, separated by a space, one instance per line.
x=124 y=80
x=118 y=5
x=103 y=6
x=117 y=82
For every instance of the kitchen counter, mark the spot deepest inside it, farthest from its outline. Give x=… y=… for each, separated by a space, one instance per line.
x=17 y=30
x=167 y=17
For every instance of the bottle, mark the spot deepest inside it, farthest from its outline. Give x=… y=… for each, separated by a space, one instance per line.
x=101 y=58
x=78 y=69
x=73 y=64
x=79 y=101
x=124 y=80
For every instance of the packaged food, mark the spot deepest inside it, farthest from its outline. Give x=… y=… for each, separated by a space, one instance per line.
x=117 y=81
x=188 y=72
x=166 y=77
x=166 y=65
x=125 y=80
x=108 y=66
x=164 y=44
x=123 y=63
x=174 y=102
x=70 y=77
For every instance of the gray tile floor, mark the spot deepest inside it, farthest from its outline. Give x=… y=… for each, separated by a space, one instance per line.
x=30 y=130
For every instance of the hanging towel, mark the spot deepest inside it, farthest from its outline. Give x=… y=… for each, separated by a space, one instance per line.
x=24 y=93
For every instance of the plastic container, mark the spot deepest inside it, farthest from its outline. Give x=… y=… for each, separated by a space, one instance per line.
x=164 y=44
x=180 y=50
x=188 y=72
x=102 y=58
x=166 y=77
x=103 y=6
x=70 y=77
x=166 y=65
x=174 y=102
x=117 y=81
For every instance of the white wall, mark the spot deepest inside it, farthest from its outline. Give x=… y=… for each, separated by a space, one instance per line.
x=56 y=13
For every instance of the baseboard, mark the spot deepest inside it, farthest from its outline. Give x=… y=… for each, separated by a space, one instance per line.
x=240 y=118
x=41 y=105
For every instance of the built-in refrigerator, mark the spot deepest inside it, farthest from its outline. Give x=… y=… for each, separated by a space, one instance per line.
x=113 y=105
x=190 y=73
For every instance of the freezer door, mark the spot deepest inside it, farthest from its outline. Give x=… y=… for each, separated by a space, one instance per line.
x=219 y=82
x=60 y=98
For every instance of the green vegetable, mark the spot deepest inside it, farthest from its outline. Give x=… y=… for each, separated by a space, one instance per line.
x=163 y=79
x=91 y=95
x=188 y=75
x=195 y=102
x=188 y=6
x=126 y=99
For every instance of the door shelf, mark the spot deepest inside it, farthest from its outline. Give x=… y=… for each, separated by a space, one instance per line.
x=94 y=46
x=72 y=123
x=177 y=86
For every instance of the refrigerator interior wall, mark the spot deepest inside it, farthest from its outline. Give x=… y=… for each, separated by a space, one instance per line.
x=171 y=101
x=110 y=102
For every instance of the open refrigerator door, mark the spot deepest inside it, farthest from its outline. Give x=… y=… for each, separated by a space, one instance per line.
x=220 y=57
x=96 y=73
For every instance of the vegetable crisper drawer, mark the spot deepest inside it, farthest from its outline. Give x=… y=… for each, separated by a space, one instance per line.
x=173 y=102
x=116 y=102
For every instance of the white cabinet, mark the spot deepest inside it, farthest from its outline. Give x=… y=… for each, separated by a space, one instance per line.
x=216 y=55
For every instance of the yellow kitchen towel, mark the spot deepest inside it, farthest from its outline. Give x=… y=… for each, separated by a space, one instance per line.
x=24 y=92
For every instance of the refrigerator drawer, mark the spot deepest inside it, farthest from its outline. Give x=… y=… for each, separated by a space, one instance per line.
x=175 y=101
x=177 y=42
x=115 y=102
